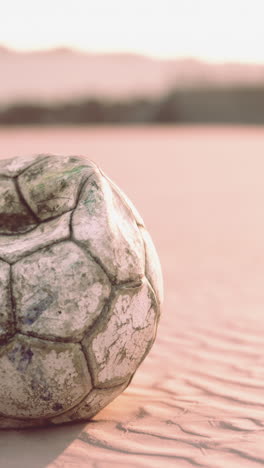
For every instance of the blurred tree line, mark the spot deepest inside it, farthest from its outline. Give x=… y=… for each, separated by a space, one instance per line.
x=236 y=105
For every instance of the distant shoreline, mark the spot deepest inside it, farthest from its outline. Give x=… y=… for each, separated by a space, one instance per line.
x=204 y=105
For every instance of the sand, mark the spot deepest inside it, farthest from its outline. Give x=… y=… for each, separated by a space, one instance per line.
x=197 y=399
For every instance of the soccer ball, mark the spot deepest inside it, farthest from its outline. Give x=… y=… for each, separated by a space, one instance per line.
x=80 y=289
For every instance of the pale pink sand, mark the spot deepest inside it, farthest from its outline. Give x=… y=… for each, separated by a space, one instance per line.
x=198 y=397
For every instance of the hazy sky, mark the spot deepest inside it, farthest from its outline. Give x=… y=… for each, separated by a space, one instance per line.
x=216 y=30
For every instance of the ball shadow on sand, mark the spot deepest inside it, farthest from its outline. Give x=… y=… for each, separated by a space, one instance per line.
x=36 y=448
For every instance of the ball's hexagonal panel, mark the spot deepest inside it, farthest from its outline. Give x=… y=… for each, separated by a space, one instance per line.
x=105 y=226
x=59 y=292
x=125 y=200
x=14 y=423
x=14 y=215
x=97 y=399
x=51 y=186
x=120 y=342
x=13 y=248
x=40 y=378
x=14 y=166
x=153 y=267
x=6 y=313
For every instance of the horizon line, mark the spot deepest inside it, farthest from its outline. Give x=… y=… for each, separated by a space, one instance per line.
x=123 y=52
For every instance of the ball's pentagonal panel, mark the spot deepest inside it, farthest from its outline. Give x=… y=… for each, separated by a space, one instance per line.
x=13 y=167
x=105 y=226
x=13 y=248
x=51 y=186
x=97 y=399
x=14 y=214
x=6 y=314
x=153 y=267
x=58 y=292
x=118 y=345
x=40 y=378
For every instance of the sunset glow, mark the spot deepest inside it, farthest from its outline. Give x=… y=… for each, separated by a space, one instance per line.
x=206 y=29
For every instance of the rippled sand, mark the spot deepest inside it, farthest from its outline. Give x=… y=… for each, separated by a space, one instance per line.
x=198 y=397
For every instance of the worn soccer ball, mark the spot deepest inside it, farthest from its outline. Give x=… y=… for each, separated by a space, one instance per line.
x=80 y=290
